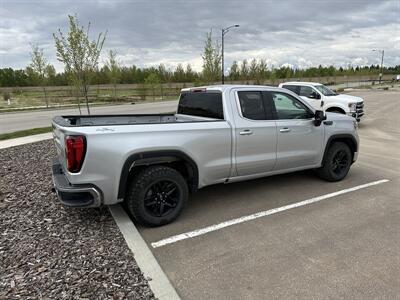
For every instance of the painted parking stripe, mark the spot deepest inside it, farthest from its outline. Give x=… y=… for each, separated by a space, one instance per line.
x=215 y=227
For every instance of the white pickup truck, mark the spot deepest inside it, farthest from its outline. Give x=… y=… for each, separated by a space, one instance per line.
x=322 y=97
x=220 y=134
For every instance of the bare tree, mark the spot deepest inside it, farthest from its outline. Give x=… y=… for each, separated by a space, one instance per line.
x=38 y=68
x=79 y=54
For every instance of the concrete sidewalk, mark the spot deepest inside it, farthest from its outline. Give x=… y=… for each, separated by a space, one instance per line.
x=25 y=140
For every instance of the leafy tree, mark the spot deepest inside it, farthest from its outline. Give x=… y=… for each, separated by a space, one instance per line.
x=262 y=70
x=113 y=70
x=244 y=70
x=38 y=69
x=234 y=73
x=152 y=80
x=211 y=59
x=50 y=74
x=179 y=74
x=79 y=54
x=190 y=75
x=253 y=69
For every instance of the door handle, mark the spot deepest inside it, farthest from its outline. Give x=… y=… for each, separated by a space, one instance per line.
x=246 y=132
x=284 y=129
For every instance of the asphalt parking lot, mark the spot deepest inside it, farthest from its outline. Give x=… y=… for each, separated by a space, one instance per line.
x=346 y=245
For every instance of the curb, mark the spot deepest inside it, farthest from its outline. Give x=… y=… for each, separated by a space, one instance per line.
x=159 y=283
x=25 y=140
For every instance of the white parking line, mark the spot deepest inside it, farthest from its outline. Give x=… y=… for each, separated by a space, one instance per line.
x=198 y=232
x=159 y=283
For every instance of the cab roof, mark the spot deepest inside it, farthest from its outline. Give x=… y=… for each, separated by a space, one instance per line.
x=301 y=83
x=222 y=88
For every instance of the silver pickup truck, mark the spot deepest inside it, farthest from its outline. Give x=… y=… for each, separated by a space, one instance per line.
x=220 y=134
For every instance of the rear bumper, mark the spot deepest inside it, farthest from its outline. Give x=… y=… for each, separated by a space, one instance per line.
x=86 y=195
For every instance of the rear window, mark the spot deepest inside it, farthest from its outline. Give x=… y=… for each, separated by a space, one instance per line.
x=201 y=104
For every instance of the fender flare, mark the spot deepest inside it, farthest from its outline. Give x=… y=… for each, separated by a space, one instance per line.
x=156 y=157
x=335 y=106
x=332 y=138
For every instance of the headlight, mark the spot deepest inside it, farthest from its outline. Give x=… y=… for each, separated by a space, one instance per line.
x=352 y=106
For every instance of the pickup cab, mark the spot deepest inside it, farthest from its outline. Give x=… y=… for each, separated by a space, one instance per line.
x=322 y=97
x=219 y=134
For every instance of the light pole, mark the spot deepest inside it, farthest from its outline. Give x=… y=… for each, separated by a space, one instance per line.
x=381 y=72
x=224 y=31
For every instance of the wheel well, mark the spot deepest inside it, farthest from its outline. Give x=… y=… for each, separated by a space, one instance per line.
x=175 y=159
x=348 y=140
x=336 y=109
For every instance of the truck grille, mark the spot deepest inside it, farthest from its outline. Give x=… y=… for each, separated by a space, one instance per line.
x=359 y=110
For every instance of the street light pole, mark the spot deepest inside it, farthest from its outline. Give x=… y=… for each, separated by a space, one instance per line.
x=223 y=32
x=381 y=71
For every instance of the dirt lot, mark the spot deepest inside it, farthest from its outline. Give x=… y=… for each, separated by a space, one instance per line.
x=48 y=251
x=346 y=246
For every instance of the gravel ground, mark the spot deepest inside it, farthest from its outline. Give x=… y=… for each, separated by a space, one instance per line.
x=49 y=251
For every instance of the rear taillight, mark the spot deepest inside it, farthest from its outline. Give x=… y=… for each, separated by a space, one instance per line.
x=75 y=148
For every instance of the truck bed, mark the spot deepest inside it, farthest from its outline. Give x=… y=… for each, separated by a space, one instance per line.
x=130 y=119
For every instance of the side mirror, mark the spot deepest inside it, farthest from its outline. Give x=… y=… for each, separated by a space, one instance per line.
x=319 y=116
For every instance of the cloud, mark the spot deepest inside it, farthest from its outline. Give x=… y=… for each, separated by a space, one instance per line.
x=146 y=33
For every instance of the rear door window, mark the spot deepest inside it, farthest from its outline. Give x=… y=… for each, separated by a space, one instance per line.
x=254 y=106
x=201 y=104
x=294 y=88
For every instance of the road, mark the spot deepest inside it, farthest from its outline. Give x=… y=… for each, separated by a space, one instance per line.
x=344 y=246
x=10 y=122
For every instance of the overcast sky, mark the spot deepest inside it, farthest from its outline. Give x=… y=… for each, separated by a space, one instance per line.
x=301 y=33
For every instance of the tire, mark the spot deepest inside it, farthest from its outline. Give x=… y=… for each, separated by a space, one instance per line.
x=157 y=196
x=337 y=162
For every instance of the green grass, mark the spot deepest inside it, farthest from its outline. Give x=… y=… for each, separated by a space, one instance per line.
x=22 y=133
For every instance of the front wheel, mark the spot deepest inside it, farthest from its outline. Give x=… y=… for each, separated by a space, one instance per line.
x=157 y=196
x=336 y=163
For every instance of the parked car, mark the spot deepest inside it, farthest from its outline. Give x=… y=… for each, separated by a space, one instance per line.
x=322 y=97
x=220 y=134
x=396 y=78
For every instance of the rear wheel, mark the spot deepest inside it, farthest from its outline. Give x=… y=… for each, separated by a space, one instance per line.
x=336 y=163
x=157 y=196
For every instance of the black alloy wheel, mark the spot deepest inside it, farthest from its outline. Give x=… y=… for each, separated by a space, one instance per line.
x=161 y=198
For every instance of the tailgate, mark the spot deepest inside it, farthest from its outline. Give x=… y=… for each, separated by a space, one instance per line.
x=59 y=137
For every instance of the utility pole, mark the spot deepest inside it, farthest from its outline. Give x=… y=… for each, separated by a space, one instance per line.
x=223 y=32
x=381 y=71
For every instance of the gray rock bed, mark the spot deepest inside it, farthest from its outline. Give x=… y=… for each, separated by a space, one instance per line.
x=49 y=251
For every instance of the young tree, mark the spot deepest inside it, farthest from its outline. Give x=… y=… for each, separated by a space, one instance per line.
x=211 y=59
x=79 y=54
x=244 y=70
x=253 y=69
x=152 y=80
x=190 y=75
x=113 y=70
x=262 y=69
x=37 y=69
x=179 y=73
x=50 y=73
x=234 y=72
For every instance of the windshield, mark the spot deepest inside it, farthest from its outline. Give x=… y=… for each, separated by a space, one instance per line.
x=324 y=90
